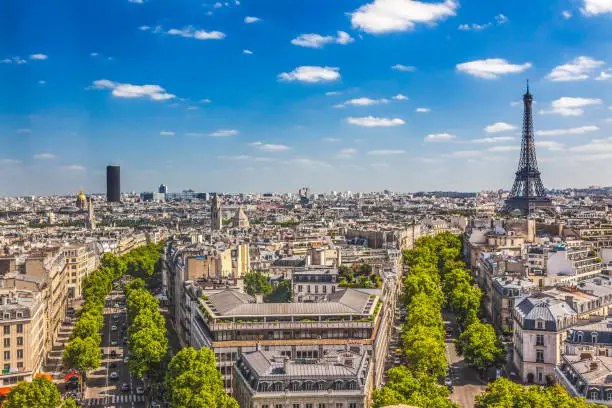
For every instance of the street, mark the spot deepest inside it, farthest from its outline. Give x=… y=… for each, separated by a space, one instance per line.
x=102 y=390
x=466 y=382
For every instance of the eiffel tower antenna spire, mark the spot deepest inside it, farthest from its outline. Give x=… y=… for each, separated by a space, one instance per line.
x=528 y=191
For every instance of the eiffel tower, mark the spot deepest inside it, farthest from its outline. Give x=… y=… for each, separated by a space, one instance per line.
x=528 y=191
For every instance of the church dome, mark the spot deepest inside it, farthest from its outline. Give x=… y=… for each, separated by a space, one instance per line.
x=81 y=201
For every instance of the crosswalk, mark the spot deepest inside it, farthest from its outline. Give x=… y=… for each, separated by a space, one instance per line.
x=114 y=399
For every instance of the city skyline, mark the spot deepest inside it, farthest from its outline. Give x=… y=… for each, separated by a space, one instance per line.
x=243 y=96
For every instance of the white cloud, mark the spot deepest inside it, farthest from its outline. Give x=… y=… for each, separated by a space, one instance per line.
x=504 y=148
x=248 y=52
x=94 y=54
x=400 y=97
x=405 y=68
x=422 y=110
x=595 y=7
x=154 y=92
x=44 y=156
x=144 y=28
x=270 y=147
x=41 y=82
x=491 y=68
x=347 y=153
x=474 y=27
x=492 y=139
x=318 y=41
x=23 y=130
x=190 y=32
x=362 y=102
x=568 y=106
x=439 y=137
x=167 y=133
x=371 y=121
x=136 y=1
x=16 y=60
x=577 y=69
x=384 y=16
x=251 y=19
x=303 y=161
x=549 y=144
x=224 y=133
x=331 y=139
x=40 y=57
x=10 y=161
x=501 y=19
x=499 y=127
x=385 y=152
x=217 y=5
x=604 y=76
x=332 y=93
x=205 y=100
x=311 y=74
x=572 y=131
x=566 y=14
x=193 y=108
x=75 y=167
x=594 y=146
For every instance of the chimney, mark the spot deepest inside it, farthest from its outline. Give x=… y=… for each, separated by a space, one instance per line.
x=259 y=298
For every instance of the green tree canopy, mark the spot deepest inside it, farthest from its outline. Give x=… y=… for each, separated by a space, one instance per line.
x=256 y=282
x=193 y=381
x=40 y=393
x=88 y=325
x=479 y=345
x=82 y=354
x=503 y=393
x=280 y=294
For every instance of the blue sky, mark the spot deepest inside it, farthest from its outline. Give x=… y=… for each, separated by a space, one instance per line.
x=267 y=95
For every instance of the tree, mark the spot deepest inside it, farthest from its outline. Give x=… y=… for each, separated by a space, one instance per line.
x=193 y=381
x=88 y=325
x=69 y=403
x=256 y=282
x=479 y=345
x=503 y=393
x=403 y=387
x=82 y=354
x=465 y=300
x=425 y=350
x=147 y=346
x=40 y=393
x=422 y=311
x=140 y=299
x=281 y=294
x=134 y=285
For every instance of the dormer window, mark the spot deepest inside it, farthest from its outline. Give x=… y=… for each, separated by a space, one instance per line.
x=594 y=338
x=7 y=316
x=539 y=324
x=579 y=337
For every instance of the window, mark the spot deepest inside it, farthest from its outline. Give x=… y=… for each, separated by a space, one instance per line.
x=278 y=405
x=353 y=405
x=7 y=366
x=308 y=406
x=539 y=324
x=7 y=329
x=20 y=364
x=20 y=353
x=322 y=405
x=265 y=406
x=7 y=342
x=316 y=288
x=539 y=339
x=594 y=395
x=324 y=289
x=296 y=405
x=539 y=356
x=299 y=288
x=7 y=355
x=19 y=329
x=19 y=315
x=594 y=338
x=339 y=405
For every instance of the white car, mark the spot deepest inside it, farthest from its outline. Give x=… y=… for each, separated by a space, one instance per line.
x=140 y=390
x=114 y=328
x=113 y=342
x=126 y=359
x=448 y=382
x=114 y=375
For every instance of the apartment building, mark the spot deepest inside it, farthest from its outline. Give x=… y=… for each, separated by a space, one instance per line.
x=585 y=369
x=232 y=323
x=22 y=317
x=314 y=283
x=338 y=379
x=80 y=262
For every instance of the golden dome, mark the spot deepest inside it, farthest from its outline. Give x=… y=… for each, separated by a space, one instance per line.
x=81 y=194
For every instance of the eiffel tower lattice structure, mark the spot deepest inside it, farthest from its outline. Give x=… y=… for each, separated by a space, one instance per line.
x=528 y=191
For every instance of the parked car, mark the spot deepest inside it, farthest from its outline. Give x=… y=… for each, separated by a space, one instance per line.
x=113 y=342
x=126 y=359
x=448 y=382
x=125 y=387
x=114 y=375
x=114 y=328
x=140 y=390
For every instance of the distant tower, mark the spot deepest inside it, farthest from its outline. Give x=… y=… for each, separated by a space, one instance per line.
x=528 y=191
x=81 y=201
x=163 y=189
x=215 y=213
x=240 y=219
x=113 y=184
x=91 y=216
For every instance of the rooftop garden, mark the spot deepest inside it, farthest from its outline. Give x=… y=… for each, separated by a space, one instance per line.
x=358 y=276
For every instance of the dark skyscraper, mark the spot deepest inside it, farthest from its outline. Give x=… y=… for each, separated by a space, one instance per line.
x=113 y=184
x=528 y=191
x=163 y=189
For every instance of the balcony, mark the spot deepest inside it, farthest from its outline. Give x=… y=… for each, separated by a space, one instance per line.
x=217 y=326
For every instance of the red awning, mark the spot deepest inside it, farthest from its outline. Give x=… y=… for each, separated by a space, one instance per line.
x=5 y=391
x=71 y=374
